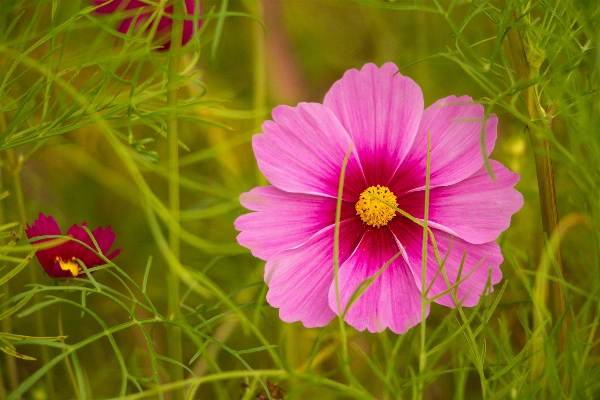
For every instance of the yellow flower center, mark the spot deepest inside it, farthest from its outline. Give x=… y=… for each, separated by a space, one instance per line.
x=373 y=211
x=70 y=265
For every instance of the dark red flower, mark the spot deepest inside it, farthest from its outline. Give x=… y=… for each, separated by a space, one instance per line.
x=61 y=261
x=193 y=7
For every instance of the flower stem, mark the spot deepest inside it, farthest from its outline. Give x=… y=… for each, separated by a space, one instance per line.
x=174 y=311
x=543 y=162
x=259 y=98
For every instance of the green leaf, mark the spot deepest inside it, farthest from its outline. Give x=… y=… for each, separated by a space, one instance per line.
x=17 y=306
x=16 y=270
x=14 y=353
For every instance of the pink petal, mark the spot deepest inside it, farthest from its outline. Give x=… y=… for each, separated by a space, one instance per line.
x=44 y=226
x=77 y=250
x=392 y=301
x=124 y=26
x=283 y=220
x=476 y=210
x=299 y=278
x=117 y=5
x=455 y=127
x=480 y=261
x=303 y=149
x=115 y=253
x=381 y=110
x=105 y=238
x=163 y=30
x=191 y=27
x=166 y=22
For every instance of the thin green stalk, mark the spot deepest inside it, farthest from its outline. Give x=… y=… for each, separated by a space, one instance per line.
x=174 y=313
x=336 y=268
x=15 y=163
x=259 y=91
x=259 y=100
x=67 y=362
x=423 y=353
x=526 y=71
x=11 y=363
x=469 y=335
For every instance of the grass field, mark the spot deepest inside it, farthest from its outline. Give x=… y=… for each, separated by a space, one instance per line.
x=103 y=127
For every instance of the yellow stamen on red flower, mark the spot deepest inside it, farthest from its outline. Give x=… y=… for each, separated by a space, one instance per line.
x=373 y=211
x=70 y=265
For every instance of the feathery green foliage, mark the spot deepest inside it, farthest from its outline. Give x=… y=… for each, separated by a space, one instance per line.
x=83 y=136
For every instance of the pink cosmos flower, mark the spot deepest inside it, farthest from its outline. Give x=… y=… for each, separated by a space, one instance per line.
x=61 y=261
x=379 y=114
x=193 y=7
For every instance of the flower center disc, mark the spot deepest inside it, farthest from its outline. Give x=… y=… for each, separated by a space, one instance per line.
x=70 y=265
x=373 y=211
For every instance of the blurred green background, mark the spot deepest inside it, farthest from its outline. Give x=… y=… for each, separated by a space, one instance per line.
x=235 y=71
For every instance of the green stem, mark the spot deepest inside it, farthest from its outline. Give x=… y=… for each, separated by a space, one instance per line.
x=259 y=99
x=423 y=354
x=336 y=268
x=11 y=362
x=15 y=163
x=174 y=313
x=543 y=162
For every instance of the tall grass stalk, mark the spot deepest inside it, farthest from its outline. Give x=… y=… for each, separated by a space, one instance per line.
x=14 y=166
x=174 y=332
x=88 y=106
x=259 y=72
x=336 y=267
x=424 y=247
x=13 y=377
x=528 y=71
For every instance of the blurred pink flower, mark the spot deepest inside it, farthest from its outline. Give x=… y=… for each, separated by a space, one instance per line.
x=61 y=261
x=193 y=7
x=379 y=113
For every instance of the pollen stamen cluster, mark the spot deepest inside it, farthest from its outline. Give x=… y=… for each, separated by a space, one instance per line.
x=69 y=265
x=373 y=211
